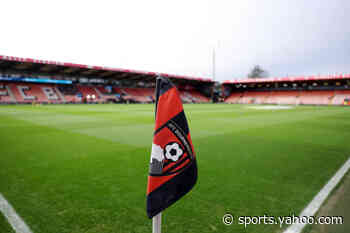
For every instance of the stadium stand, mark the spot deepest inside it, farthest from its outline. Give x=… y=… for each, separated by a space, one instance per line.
x=26 y=80
x=39 y=93
x=28 y=93
x=320 y=90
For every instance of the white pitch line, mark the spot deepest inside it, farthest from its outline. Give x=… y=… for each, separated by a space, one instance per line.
x=316 y=203
x=12 y=217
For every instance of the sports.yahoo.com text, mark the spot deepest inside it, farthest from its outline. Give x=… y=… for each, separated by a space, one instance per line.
x=229 y=219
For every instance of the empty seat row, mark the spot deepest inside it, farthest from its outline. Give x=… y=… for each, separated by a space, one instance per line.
x=334 y=97
x=50 y=93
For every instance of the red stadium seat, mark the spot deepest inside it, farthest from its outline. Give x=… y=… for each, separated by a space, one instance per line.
x=88 y=91
x=283 y=97
x=340 y=96
x=193 y=96
x=316 y=97
x=289 y=97
x=234 y=98
x=141 y=95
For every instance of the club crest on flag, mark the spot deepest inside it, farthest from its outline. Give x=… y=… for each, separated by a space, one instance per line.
x=170 y=157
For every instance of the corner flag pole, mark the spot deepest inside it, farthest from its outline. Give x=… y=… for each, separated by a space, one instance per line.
x=157 y=220
x=157 y=223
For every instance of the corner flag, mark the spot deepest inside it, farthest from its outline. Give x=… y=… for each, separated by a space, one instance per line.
x=173 y=168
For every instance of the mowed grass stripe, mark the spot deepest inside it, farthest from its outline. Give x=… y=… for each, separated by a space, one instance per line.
x=56 y=179
x=114 y=127
x=268 y=165
x=61 y=181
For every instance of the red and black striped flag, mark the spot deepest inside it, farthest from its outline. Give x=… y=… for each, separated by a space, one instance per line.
x=173 y=169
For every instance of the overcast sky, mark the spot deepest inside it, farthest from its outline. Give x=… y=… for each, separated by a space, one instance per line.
x=295 y=37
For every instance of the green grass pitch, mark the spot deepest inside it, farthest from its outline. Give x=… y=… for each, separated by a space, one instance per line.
x=83 y=168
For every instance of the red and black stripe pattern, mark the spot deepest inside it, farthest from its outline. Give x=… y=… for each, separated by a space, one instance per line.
x=173 y=169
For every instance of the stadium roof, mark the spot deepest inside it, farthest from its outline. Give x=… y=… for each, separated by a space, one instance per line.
x=289 y=79
x=66 y=68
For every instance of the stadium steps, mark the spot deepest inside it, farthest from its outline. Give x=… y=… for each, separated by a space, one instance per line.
x=60 y=95
x=103 y=95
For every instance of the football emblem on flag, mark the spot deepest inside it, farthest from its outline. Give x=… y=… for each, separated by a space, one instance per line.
x=173 y=151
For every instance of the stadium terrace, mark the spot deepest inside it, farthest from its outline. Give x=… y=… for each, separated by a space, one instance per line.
x=312 y=90
x=26 y=80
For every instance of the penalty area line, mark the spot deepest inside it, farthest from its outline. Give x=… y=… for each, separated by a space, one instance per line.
x=317 y=201
x=17 y=223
